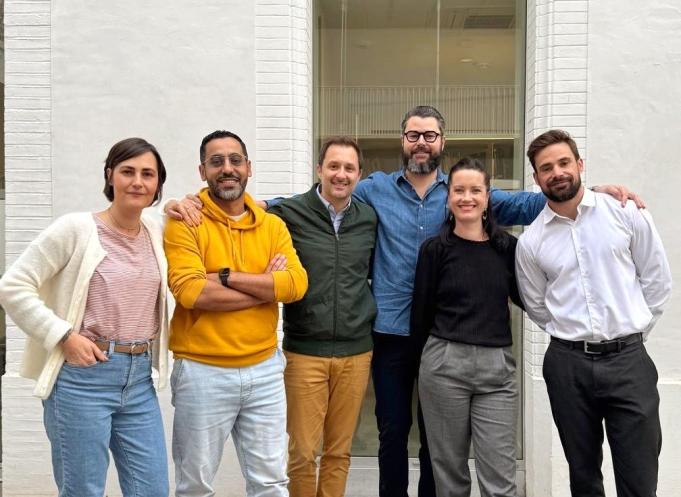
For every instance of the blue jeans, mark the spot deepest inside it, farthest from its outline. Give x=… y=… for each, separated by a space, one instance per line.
x=107 y=406
x=210 y=403
x=394 y=368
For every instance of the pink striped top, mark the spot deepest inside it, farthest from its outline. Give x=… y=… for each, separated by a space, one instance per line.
x=122 y=298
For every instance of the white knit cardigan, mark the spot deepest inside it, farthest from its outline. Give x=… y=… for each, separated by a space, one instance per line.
x=45 y=292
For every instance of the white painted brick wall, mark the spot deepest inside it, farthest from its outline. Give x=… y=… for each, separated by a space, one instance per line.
x=27 y=129
x=28 y=181
x=283 y=161
x=556 y=97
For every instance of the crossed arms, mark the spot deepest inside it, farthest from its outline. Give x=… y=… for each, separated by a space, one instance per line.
x=193 y=266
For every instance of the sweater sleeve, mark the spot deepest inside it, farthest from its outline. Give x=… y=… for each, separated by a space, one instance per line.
x=423 y=304
x=186 y=268
x=20 y=286
x=514 y=293
x=290 y=284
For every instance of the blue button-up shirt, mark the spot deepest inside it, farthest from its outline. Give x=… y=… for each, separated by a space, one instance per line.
x=405 y=221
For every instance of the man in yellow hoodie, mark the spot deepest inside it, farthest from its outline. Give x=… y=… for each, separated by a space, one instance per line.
x=227 y=276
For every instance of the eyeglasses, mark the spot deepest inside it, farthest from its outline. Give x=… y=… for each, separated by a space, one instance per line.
x=235 y=160
x=428 y=136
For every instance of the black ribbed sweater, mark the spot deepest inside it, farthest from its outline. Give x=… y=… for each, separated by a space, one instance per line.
x=461 y=290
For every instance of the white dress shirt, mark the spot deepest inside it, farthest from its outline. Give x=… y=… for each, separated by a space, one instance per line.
x=602 y=276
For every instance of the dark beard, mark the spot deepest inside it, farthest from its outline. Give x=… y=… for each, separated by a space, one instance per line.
x=423 y=168
x=566 y=194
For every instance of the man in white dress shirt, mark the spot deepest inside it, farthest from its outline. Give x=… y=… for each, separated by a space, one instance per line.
x=595 y=276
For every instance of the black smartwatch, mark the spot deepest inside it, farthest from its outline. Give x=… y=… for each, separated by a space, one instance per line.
x=224 y=276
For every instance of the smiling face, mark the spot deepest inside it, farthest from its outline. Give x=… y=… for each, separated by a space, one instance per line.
x=339 y=174
x=134 y=181
x=468 y=196
x=421 y=157
x=226 y=169
x=558 y=172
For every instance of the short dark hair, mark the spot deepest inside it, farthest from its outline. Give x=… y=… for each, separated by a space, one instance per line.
x=342 y=141
x=547 y=139
x=424 y=111
x=215 y=135
x=127 y=149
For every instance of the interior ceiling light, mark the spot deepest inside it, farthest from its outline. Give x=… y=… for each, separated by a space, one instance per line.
x=466 y=60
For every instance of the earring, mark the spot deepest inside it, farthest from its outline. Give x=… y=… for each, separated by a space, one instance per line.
x=484 y=215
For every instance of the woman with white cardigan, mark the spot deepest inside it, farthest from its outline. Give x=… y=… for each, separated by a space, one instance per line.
x=90 y=293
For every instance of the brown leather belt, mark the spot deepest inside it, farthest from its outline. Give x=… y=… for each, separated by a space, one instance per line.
x=124 y=348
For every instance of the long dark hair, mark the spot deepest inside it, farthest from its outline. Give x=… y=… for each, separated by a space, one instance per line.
x=497 y=237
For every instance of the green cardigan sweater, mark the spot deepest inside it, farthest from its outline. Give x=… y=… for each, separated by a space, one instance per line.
x=334 y=318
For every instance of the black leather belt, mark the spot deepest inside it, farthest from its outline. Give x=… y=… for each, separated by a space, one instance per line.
x=601 y=347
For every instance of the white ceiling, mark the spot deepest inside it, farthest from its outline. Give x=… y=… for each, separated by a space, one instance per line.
x=381 y=14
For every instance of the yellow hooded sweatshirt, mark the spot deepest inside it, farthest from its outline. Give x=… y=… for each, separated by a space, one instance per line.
x=229 y=338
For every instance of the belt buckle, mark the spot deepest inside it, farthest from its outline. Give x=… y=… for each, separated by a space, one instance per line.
x=133 y=348
x=591 y=352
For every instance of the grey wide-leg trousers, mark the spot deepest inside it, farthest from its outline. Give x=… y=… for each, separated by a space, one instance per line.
x=469 y=393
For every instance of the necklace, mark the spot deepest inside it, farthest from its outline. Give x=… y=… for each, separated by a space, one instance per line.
x=135 y=231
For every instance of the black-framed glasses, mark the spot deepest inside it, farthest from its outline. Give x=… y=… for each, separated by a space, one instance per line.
x=428 y=136
x=235 y=160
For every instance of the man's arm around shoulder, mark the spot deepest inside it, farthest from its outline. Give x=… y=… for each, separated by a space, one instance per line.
x=511 y=208
x=363 y=189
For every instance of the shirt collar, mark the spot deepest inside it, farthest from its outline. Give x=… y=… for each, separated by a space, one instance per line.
x=588 y=200
x=328 y=205
x=441 y=177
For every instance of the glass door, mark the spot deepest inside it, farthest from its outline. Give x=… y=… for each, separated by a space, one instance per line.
x=375 y=60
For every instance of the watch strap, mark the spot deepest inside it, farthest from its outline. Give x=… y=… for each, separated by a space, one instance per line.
x=224 y=276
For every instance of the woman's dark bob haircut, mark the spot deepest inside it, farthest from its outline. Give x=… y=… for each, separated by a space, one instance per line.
x=127 y=149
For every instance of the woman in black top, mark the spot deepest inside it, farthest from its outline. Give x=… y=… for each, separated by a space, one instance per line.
x=467 y=381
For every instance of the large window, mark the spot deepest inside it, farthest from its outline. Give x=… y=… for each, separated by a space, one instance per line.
x=376 y=59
